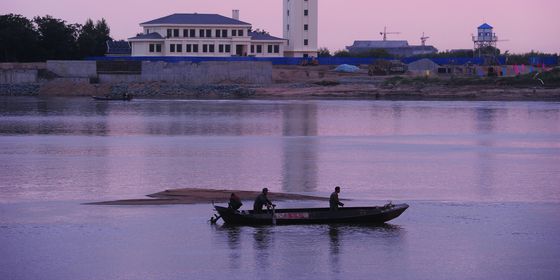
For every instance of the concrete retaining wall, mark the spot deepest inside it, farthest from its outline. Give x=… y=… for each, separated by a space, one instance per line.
x=18 y=76
x=208 y=72
x=79 y=78
x=73 y=69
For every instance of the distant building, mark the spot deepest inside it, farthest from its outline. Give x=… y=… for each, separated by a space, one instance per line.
x=204 y=35
x=301 y=27
x=393 y=47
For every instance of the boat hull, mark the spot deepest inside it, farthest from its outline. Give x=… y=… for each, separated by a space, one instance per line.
x=349 y=215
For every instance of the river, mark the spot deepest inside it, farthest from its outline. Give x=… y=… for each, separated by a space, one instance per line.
x=482 y=180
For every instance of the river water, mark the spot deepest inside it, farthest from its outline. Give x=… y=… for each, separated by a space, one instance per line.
x=482 y=180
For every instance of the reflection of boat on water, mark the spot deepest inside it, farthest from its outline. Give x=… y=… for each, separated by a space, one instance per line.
x=126 y=97
x=349 y=215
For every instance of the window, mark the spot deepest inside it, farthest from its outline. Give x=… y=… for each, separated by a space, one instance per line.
x=228 y=48
x=201 y=33
x=288 y=27
x=240 y=32
x=185 y=33
x=252 y=48
x=204 y=48
x=288 y=12
x=234 y=32
x=147 y=31
x=188 y=48
x=276 y=48
x=305 y=12
x=158 y=47
x=208 y=33
x=195 y=48
x=175 y=32
x=224 y=33
x=172 y=48
x=269 y=48
x=179 y=48
x=192 y=33
x=259 y=48
x=305 y=42
x=218 y=33
x=221 y=48
x=152 y=47
x=169 y=33
x=305 y=27
x=212 y=48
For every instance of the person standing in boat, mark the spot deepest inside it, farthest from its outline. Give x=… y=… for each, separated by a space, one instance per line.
x=234 y=202
x=262 y=200
x=334 y=202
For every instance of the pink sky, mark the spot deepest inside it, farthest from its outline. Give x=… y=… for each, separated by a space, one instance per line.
x=526 y=24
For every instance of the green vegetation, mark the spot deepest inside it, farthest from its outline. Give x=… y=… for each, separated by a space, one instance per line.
x=549 y=78
x=24 y=40
x=323 y=52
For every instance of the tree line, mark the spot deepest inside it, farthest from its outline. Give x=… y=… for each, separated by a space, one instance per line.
x=45 y=38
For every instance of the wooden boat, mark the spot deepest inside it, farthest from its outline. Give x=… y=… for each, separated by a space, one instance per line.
x=111 y=98
x=347 y=215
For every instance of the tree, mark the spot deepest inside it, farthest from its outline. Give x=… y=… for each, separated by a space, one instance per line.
x=103 y=35
x=57 y=39
x=342 y=53
x=323 y=52
x=18 y=39
x=92 y=38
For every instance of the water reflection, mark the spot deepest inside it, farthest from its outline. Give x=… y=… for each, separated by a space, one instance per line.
x=263 y=241
x=233 y=240
x=484 y=168
x=299 y=147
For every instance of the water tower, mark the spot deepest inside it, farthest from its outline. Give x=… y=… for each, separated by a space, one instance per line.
x=485 y=41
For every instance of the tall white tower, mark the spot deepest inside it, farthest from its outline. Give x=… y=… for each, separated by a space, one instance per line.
x=300 y=27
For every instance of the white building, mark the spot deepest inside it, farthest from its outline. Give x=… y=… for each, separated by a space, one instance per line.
x=301 y=27
x=204 y=35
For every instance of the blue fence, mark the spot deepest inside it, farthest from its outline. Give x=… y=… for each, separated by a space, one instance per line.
x=546 y=60
x=322 y=60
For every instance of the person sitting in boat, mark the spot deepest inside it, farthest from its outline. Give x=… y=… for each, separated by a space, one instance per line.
x=234 y=202
x=334 y=202
x=262 y=200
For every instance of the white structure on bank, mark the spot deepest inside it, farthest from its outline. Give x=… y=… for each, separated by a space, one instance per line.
x=301 y=27
x=204 y=35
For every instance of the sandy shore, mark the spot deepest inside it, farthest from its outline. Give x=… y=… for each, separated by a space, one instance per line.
x=195 y=196
x=371 y=91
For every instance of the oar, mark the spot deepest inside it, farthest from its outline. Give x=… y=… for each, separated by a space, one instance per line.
x=274 y=214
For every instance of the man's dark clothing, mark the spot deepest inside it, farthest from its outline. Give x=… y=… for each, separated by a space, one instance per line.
x=334 y=202
x=261 y=201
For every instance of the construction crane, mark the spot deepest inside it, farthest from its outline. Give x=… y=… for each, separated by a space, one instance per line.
x=423 y=39
x=384 y=33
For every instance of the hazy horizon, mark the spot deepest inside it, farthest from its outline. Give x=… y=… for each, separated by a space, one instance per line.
x=525 y=25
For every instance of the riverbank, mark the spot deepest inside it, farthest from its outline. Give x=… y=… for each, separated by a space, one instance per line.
x=270 y=82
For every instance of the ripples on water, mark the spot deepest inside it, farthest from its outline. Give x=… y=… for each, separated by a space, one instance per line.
x=481 y=178
x=467 y=151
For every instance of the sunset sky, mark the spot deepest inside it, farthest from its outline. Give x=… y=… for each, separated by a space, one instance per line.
x=525 y=24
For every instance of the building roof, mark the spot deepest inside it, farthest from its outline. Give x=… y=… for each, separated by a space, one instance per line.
x=260 y=36
x=485 y=26
x=118 y=47
x=380 y=44
x=196 y=19
x=149 y=36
